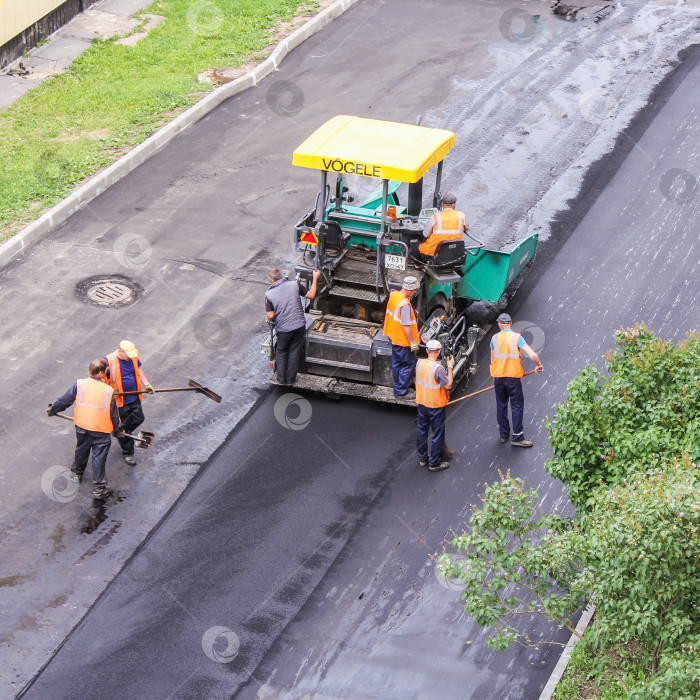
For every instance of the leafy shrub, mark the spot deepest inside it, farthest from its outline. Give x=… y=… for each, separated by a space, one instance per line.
x=645 y=411
x=513 y=563
x=642 y=543
x=678 y=677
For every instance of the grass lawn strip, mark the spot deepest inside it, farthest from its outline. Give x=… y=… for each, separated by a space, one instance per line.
x=114 y=96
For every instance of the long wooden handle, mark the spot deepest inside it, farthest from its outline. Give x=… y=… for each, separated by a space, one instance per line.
x=481 y=391
x=133 y=437
x=155 y=391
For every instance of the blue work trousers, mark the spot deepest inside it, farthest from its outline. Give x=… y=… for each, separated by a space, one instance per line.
x=431 y=418
x=403 y=367
x=509 y=389
x=98 y=444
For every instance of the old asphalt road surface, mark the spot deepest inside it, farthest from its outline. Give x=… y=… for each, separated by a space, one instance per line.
x=323 y=503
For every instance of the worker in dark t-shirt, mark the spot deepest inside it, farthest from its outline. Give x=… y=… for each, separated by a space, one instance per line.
x=124 y=373
x=283 y=306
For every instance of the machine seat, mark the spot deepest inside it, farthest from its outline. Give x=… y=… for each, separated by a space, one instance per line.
x=335 y=237
x=334 y=241
x=445 y=267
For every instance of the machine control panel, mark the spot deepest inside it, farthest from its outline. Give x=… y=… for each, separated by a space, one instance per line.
x=410 y=228
x=405 y=224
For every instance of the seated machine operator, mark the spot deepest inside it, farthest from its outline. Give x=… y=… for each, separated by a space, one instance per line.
x=448 y=224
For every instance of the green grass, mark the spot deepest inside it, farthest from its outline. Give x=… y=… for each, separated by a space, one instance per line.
x=603 y=675
x=114 y=96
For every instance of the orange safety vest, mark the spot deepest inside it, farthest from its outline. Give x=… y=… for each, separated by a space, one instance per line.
x=449 y=226
x=115 y=377
x=428 y=392
x=92 y=403
x=506 y=355
x=392 y=320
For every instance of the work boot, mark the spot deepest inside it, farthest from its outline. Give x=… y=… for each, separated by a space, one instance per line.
x=130 y=460
x=76 y=478
x=423 y=463
x=439 y=467
x=503 y=439
x=521 y=443
x=101 y=494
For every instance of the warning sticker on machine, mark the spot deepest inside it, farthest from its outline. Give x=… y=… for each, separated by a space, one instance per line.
x=309 y=237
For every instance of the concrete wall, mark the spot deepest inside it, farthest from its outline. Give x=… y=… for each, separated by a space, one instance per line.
x=23 y=23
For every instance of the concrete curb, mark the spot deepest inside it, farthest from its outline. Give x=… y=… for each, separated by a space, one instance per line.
x=115 y=172
x=564 y=659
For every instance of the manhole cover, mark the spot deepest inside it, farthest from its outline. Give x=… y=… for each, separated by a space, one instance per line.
x=110 y=293
x=113 y=291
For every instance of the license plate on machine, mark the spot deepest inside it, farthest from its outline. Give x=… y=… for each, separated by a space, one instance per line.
x=394 y=262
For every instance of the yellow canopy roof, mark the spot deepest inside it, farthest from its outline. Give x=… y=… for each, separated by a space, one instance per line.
x=374 y=148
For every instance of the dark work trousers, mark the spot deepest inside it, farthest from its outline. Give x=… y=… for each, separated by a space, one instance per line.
x=431 y=418
x=99 y=443
x=415 y=253
x=509 y=389
x=290 y=351
x=131 y=416
x=403 y=367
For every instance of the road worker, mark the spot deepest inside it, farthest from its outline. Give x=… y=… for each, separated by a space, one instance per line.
x=506 y=370
x=448 y=224
x=283 y=306
x=95 y=417
x=433 y=386
x=124 y=373
x=401 y=327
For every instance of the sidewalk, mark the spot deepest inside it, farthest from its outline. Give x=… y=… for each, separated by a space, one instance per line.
x=102 y=21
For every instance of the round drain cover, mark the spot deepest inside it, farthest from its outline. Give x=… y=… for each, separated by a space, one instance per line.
x=112 y=291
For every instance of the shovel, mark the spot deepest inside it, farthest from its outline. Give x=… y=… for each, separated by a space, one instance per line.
x=144 y=439
x=192 y=387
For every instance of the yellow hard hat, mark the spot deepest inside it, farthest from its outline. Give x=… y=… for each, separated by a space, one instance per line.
x=129 y=348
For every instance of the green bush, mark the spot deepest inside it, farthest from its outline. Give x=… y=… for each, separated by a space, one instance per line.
x=636 y=554
x=644 y=412
x=642 y=544
x=678 y=677
x=514 y=563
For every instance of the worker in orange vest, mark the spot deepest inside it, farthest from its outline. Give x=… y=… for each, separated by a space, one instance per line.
x=95 y=417
x=448 y=224
x=401 y=327
x=124 y=373
x=433 y=386
x=506 y=370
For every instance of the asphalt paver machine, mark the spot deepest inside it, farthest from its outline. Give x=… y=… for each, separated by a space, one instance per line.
x=362 y=252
